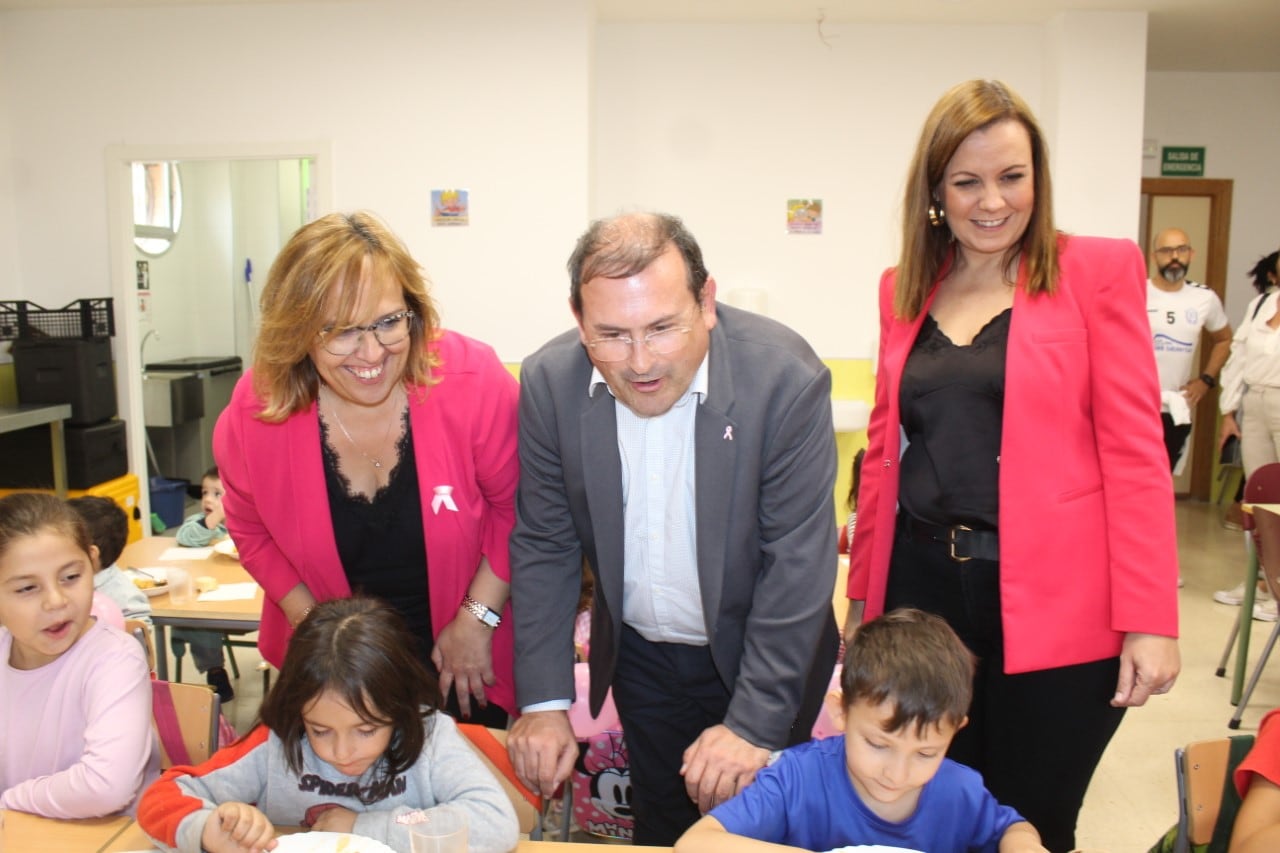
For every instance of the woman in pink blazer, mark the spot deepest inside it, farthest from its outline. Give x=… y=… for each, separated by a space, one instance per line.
x=370 y=450
x=1015 y=481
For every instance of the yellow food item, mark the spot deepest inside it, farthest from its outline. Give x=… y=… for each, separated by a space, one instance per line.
x=204 y=583
x=146 y=583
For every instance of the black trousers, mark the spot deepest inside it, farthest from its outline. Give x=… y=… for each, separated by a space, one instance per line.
x=666 y=695
x=1035 y=737
x=1175 y=438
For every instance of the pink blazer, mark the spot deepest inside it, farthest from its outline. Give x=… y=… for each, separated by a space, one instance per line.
x=1087 y=542
x=464 y=437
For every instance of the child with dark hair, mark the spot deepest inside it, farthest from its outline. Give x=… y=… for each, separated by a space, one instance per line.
x=855 y=480
x=75 y=693
x=198 y=530
x=108 y=527
x=349 y=740
x=906 y=687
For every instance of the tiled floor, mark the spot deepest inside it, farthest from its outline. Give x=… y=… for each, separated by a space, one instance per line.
x=1132 y=800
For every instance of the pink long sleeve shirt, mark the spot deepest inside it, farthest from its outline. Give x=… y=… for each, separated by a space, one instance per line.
x=75 y=734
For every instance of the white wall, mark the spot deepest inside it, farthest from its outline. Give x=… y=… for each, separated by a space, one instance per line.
x=488 y=95
x=722 y=123
x=1236 y=117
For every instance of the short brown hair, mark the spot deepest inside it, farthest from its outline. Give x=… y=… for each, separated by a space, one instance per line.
x=914 y=660
x=107 y=523
x=970 y=106
x=625 y=245
x=29 y=513
x=360 y=649
x=319 y=257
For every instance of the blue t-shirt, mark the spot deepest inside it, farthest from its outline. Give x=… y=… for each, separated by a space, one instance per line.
x=806 y=799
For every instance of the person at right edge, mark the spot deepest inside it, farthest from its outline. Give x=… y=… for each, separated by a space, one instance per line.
x=1031 y=505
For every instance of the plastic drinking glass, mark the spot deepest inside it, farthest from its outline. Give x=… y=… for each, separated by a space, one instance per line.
x=181 y=586
x=444 y=831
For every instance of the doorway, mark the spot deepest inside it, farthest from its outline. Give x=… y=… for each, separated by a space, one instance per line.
x=1201 y=208
x=232 y=324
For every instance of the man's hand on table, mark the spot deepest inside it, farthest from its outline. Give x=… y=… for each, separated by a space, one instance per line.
x=542 y=749
x=718 y=765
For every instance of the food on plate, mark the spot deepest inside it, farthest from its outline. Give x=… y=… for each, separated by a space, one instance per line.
x=144 y=582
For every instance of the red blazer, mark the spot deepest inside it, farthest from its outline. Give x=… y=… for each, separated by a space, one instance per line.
x=464 y=436
x=1087 y=542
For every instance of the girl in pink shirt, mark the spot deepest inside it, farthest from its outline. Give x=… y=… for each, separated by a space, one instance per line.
x=75 y=697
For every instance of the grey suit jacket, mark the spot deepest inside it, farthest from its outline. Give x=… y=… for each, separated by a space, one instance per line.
x=766 y=538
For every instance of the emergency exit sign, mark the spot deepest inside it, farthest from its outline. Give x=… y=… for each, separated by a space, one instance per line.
x=1182 y=162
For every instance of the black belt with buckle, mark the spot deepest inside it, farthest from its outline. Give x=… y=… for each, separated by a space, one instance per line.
x=963 y=543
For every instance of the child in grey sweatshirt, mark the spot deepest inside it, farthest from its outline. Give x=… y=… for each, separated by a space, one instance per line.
x=349 y=741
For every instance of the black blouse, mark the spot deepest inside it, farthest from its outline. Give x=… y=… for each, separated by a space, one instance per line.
x=381 y=541
x=952 y=402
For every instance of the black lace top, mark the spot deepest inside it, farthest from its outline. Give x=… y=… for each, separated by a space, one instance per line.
x=380 y=541
x=952 y=401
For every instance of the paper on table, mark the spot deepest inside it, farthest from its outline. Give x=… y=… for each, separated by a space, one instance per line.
x=186 y=553
x=231 y=592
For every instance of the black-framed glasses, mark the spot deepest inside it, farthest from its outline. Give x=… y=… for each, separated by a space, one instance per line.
x=1170 y=251
x=661 y=342
x=389 y=331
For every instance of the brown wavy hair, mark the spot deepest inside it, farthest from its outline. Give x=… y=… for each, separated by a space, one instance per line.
x=968 y=107
x=360 y=649
x=914 y=660
x=319 y=258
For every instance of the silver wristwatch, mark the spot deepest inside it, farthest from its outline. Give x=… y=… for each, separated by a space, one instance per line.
x=481 y=612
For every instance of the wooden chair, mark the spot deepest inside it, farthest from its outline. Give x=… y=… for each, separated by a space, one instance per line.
x=1207 y=799
x=1263 y=486
x=491 y=746
x=1267 y=535
x=185 y=718
x=141 y=632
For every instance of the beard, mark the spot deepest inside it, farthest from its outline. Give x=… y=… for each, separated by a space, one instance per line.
x=1173 y=272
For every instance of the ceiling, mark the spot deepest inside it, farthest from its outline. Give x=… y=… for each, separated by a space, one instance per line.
x=1182 y=35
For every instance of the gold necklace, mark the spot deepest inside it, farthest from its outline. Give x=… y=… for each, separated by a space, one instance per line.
x=377 y=463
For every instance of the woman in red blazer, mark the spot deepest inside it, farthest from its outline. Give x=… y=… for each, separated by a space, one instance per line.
x=1014 y=481
x=370 y=450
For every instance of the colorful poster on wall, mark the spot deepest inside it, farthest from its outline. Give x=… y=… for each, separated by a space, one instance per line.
x=804 y=216
x=450 y=207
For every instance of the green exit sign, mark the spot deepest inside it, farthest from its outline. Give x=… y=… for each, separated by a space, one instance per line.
x=1182 y=162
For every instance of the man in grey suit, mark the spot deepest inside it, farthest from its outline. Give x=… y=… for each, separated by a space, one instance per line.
x=685 y=451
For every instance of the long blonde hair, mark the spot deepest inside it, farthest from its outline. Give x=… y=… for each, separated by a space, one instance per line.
x=970 y=106
x=319 y=257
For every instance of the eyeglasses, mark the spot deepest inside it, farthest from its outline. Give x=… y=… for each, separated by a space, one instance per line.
x=388 y=331
x=1170 y=251
x=661 y=342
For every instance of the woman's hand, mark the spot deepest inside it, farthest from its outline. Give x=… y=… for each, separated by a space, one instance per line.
x=464 y=655
x=237 y=828
x=1149 y=666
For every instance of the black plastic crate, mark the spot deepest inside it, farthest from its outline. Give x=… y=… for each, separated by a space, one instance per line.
x=21 y=319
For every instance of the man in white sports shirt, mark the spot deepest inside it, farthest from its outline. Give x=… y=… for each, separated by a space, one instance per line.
x=1178 y=309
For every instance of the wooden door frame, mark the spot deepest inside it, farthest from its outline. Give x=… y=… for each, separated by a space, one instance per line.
x=1218 y=191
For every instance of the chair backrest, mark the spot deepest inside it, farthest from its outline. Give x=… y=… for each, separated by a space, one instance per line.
x=1267 y=531
x=141 y=631
x=1262 y=487
x=491 y=746
x=185 y=717
x=1208 y=801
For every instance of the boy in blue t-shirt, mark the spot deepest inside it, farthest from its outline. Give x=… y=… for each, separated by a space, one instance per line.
x=906 y=688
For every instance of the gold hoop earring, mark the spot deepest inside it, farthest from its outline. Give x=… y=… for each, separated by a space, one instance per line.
x=937 y=216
